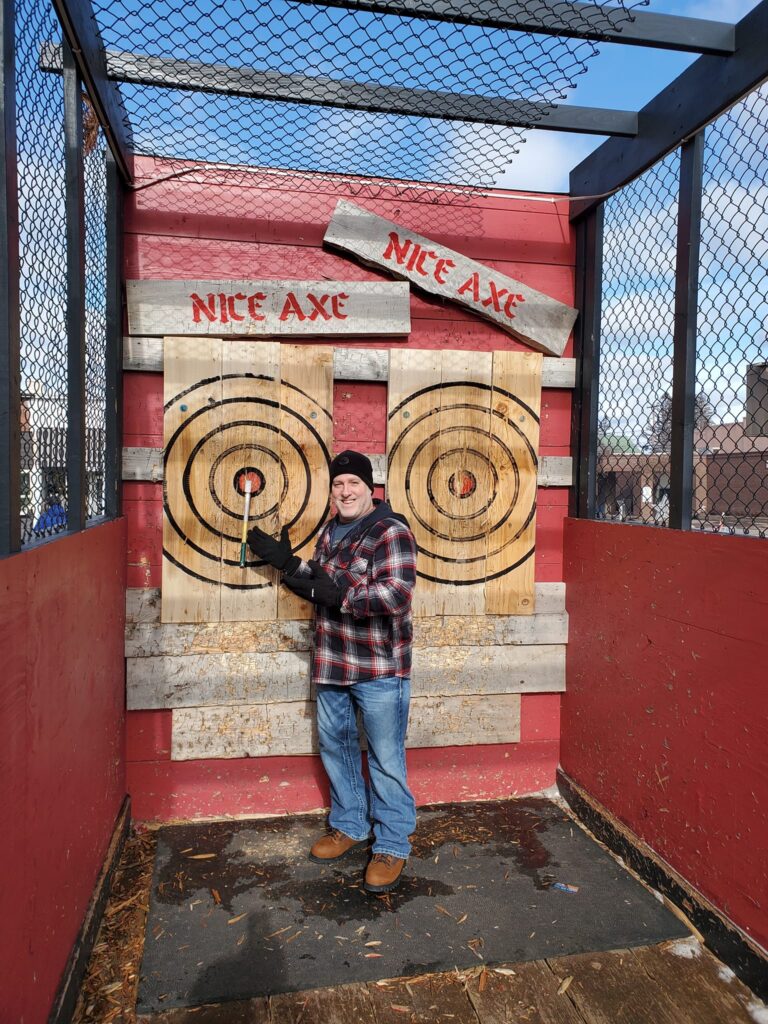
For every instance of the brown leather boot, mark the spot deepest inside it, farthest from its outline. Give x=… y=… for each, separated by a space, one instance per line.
x=334 y=846
x=383 y=872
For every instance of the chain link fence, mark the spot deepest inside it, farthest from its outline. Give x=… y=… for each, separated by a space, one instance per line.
x=730 y=423
x=43 y=276
x=45 y=440
x=731 y=435
x=211 y=55
x=636 y=342
x=95 y=178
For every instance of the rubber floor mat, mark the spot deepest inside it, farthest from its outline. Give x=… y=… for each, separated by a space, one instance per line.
x=237 y=910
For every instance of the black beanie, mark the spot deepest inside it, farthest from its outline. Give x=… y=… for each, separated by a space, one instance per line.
x=354 y=463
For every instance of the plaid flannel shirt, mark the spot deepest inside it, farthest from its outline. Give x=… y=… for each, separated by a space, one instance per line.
x=370 y=636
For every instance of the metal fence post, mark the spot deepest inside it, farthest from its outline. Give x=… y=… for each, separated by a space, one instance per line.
x=10 y=400
x=589 y=260
x=114 y=340
x=75 y=316
x=684 y=352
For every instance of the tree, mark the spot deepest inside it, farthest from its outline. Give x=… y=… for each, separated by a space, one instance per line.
x=660 y=431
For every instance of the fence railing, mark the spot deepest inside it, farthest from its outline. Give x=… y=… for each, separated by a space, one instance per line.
x=60 y=434
x=676 y=379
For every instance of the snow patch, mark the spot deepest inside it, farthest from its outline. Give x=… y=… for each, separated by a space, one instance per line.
x=757 y=1011
x=688 y=949
x=725 y=973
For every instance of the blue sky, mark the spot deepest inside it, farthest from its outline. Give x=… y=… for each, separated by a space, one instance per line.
x=623 y=77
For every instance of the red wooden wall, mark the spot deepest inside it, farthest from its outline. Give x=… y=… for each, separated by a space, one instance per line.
x=271 y=226
x=61 y=746
x=665 y=716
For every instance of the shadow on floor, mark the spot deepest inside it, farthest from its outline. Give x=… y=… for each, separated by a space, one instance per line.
x=237 y=910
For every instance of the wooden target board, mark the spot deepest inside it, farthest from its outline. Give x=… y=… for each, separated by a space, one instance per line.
x=236 y=411
x=463 y=438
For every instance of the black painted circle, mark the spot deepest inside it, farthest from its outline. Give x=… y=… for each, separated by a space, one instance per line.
x=499 y=416
x=301 y=424
x=465 y=515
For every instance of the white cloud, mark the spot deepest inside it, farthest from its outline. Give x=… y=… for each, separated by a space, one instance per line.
x=545 y=161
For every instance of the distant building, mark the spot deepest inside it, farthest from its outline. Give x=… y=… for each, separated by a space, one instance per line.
x=730 y=471
x=44 y=462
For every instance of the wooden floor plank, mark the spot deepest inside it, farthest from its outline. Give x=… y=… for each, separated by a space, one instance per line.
x=694 y=983
x=614 y=988
x=427 y=999
x=344 y=1004
x=529 y=996
x=248 y=1011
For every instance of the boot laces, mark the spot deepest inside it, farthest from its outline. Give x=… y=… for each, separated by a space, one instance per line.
x=384 y=858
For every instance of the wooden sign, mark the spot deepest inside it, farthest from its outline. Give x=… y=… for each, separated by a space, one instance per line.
x=462 y=462
x=536 y=319
x=268 y=308
x=237 y=411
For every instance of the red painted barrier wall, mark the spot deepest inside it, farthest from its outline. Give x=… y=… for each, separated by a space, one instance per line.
x=62 y=692
x=666 y=712
x=271 y=226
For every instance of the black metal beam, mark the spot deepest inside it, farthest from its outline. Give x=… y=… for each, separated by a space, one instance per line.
x=171 y=73
x=576 y=20
x=684 y=351
x=82 y=33
x=10 y=378
x=114 y=340
x=698 y=96
x=589 y=264
x=75 y=313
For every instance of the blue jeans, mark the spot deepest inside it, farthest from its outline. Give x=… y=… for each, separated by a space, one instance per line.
x=386 y=803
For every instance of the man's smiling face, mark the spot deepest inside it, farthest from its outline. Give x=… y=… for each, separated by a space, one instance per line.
x=351 y=496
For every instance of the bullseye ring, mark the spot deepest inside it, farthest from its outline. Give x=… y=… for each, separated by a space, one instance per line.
x=250 y=431
x=464 y=471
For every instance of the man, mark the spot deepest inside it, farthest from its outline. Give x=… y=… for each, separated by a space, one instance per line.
x=361 y=582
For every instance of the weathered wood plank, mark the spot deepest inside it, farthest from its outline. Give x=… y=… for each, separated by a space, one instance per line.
x=147 y=464
x=555 y=471
x=438 y=998
x=304 y=447
x=191 y=546
x=618 y=991
x=259 y=730
x=150 y=640
x=516 y=407
x=342 y=1004
x=205 y=680
x=268 y=308
x=536 y=319
x=142 y=604
x=145 y=354
x=529 y=993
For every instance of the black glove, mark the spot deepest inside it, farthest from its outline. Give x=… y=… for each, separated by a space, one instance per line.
x=318 y=588
x=274 y=552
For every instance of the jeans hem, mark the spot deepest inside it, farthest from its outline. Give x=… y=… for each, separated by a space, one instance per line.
x=392 y=853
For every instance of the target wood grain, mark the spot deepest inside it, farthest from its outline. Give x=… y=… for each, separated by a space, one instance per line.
x=250 y=425
x=191 y=547
x=462 y=478
x=306 y=437
x=462 y=466
x=516 y=404
x=230 y=418
x=407 y=377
